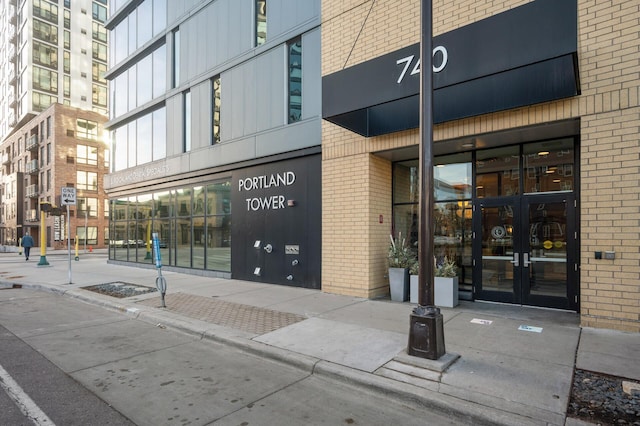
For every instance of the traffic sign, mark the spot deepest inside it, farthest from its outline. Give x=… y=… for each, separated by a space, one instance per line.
x=68 y=196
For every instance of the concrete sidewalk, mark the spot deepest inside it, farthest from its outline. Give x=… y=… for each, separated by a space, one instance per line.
x=495 y=371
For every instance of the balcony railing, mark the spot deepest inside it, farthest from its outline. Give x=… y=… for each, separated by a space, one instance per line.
x=32 y=191
x=32 y=167
x=32 y=142
x=31 y=215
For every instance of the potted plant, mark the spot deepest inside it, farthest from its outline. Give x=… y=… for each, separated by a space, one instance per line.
x=446 y=283
x=400 y=258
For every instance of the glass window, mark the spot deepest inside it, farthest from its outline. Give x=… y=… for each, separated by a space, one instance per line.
x=45 y=10
x=144 y=83
x=67 y=19
x=144 y=127
x=119 y=41
x=67 y=39
x=66 y=62
x=215 y=82
x=498 y=172
x=86 y=129
x=183 y=202
x=66 y=84
x=261 y=22
x=548 y=166
x=198 y=200
x=452 y=177
x=42 y=101
x=99 y=51
x=45 y=55
x=145 y=15
x=99 y=12
x=87 y=180
x=87 y=155
x=159 y=134
x=159 y=16
x=98 y=32
x=186 y=122
x=132 y=80
x=45 y=80
x=295 y=80
x=98 y=72
x=131 y=143
x=132 y=20
x=87 y=207
x=99 y=95
x=45 y=32
x=175 y=59
x=159 y=71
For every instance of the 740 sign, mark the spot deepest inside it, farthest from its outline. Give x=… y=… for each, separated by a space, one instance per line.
x=68 y=196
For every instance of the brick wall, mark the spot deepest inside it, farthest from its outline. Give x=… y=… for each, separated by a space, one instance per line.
x=609 y=112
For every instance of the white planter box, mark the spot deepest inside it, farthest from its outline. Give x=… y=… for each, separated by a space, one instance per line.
x=413 y=288
x=446 y=293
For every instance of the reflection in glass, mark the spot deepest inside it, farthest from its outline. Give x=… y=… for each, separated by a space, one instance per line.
x=498 y=172
x=497 y=248
x=453 y=237
x=295 y=80
x=548 y=249
x=548 y=166
x=183 y=242
x=216 y=101
x=261 y=22
x=199 y=241
x=183 y=201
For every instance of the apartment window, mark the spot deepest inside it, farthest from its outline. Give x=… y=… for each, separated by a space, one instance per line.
x=98 y=72
x=99 y=13
x=66 y=62
x=261 y=22
x=99 y=32
x=42 y=101
x=45 y=80
x=45 y=32
x=67 y=4
x=48 y=153
x=107 y=158
x=91 y=235
x=67 y=40
x=45 y=55
x=295 y=80
x=87 y=155
x=215 y=82
x=186 y=122
x=99 y=95
x=87 y=205
x=86 y=129
x=66 y=85
x=99 y=51
x=67 y=19
x=106 y=209
x=49 y=119
x=41 y=157
x=175 y=59
x=87 y=180
x=48 y=180
x=45 y=10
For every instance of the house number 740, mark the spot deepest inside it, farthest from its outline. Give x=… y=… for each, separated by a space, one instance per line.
x=416 y=68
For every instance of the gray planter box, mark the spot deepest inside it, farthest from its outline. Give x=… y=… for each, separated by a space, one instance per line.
x=446 y=292
x=413 y=288
x=399 y=284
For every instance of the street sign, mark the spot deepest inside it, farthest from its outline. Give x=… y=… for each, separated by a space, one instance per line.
x=68 y=196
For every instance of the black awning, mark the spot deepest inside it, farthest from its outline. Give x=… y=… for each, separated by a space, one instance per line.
x=520 y=57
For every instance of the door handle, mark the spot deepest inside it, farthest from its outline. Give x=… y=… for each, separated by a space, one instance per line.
x=525 y=260
x=516 y=259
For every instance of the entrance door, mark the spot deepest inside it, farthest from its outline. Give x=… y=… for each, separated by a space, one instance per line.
x=526 y=250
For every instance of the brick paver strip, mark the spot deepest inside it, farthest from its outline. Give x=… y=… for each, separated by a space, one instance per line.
x=235 y=315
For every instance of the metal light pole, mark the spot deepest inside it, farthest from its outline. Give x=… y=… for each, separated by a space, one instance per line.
x=426 y=333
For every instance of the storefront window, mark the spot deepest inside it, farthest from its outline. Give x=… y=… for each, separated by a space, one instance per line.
x=548 y=166
x=498 y=172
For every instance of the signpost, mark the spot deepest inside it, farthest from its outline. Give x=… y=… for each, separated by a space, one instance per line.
x=68 y=198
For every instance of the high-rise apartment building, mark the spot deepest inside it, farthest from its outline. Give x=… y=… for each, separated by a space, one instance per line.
x=51 y=52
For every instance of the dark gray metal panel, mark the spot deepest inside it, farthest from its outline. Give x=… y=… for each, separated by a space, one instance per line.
x=294 y=226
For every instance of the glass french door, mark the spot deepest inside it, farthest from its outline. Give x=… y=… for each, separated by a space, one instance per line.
x=525 y=250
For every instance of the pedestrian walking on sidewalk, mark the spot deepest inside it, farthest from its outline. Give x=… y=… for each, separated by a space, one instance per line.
x=27 y=243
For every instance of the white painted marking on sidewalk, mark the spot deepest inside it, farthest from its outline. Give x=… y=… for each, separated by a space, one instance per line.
x=22 y=400
x=481 y=321
x=530 y=328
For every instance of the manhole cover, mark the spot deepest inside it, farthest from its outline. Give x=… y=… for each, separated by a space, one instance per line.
x=120 y=289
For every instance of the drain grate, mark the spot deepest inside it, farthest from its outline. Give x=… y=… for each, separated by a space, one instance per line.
x=120 y=289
